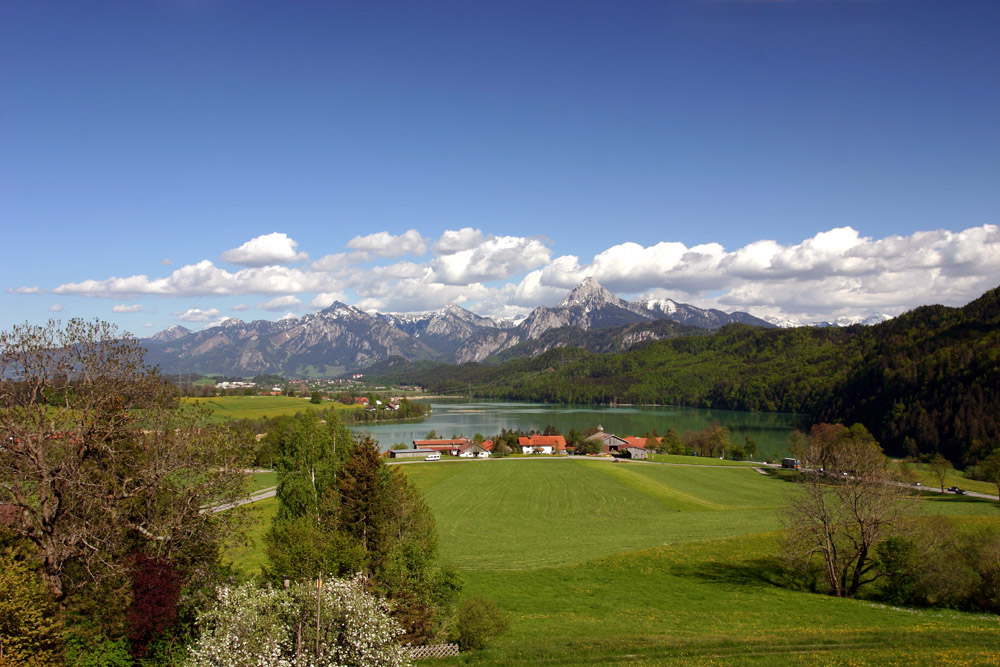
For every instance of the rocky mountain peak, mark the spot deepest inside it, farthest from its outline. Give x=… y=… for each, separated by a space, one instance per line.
x=171 y=333
x=588 y=294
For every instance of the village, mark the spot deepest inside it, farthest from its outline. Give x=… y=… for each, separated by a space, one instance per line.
x=608 y=444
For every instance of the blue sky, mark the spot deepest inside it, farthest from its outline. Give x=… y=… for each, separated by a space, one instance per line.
x=185 y=161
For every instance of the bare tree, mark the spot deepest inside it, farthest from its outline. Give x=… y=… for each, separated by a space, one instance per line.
x=842 y=514
x=98 y=458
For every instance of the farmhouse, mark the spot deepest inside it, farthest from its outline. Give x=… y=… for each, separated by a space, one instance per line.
x=541 y=444
x=610 y=441
x=473 y=451
x=445 y=446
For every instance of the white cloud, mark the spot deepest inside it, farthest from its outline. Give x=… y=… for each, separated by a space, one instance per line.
x=493 y=258
x=415 y=295
x=166 y=261
x=385 y=244
x=455 y=240
x=134 y=308
x=280 y=303
x=197 y=315
x=240 y=307
x=834 y=272
x=56 y=308
x=326 y=299
x=203 y=279
x=275 y=248
x=340 y=262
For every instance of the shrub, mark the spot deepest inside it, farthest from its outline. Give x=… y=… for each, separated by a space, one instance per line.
x=479 y=621
x=335 y=623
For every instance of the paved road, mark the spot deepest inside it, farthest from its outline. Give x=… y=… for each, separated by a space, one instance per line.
x=254 y=497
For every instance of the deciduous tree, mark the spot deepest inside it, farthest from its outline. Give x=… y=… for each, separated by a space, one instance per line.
x=100 y=459
x=940 y=467
x=840 y=516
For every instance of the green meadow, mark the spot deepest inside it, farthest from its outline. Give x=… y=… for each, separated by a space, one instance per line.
x=224 y=408
x=642 y=564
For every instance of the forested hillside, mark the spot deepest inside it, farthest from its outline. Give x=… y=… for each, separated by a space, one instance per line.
x=927 y=381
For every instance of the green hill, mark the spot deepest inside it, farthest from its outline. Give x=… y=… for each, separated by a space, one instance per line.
x=645 y=564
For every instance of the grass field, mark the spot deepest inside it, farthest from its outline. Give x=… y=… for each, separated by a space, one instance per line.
x=631 y=563
x=224 y=408
x=957 y=478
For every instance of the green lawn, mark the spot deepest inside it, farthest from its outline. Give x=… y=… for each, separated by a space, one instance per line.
x=632 y=563
x=957 y=478
x=263 y=480
x=250 y=557
x=224 y=408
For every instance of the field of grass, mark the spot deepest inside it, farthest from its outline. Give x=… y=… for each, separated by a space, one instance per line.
x=957 y=478
x=263 y=480
x=632 y=563
x=224 y=408
x=250 y=556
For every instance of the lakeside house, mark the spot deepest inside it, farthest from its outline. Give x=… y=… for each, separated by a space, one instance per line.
x=609 y=441
x=460 y=447
x=541 y=444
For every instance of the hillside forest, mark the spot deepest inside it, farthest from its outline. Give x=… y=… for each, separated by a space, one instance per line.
x=923 y=383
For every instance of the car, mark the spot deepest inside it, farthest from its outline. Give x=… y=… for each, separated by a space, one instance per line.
x=953 y=489
x=917 y=484
x=960 y=492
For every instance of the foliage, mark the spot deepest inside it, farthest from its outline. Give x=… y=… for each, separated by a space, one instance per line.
x=942 y=563
x=848 y=505
x=343 y=510
x=990 y=469
x=479 y=620
x=330 y=622
x=156 y=590
x=101 y=461
x=29 y=629
x=940 y=467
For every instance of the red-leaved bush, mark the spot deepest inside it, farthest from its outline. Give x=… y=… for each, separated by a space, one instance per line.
x=156 y=588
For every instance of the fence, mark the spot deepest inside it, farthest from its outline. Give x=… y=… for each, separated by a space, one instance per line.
x=434 y=651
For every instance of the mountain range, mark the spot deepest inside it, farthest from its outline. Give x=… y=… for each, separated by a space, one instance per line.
x=343 y=338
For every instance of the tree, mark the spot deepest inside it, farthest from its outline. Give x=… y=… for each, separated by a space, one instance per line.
x=316 y=398
x=101 y=460
x=940 y=467
x=325 y=621
x=342 y=510
x=29 y=633
x=840 y=519
x=990 y=468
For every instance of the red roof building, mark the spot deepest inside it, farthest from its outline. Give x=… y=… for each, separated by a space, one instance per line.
x=541 y=444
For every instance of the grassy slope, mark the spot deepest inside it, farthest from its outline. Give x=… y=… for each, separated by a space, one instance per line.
x=225 y=408
x=250 y=557
x=602 y=563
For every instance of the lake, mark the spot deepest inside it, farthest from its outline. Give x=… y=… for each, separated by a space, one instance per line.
x=466 y=417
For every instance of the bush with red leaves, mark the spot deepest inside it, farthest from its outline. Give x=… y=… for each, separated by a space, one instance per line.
x=156 y=588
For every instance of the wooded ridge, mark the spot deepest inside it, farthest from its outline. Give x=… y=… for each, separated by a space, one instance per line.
x=924 y=382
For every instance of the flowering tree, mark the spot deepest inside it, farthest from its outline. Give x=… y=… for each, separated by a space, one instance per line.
x=312 y=624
